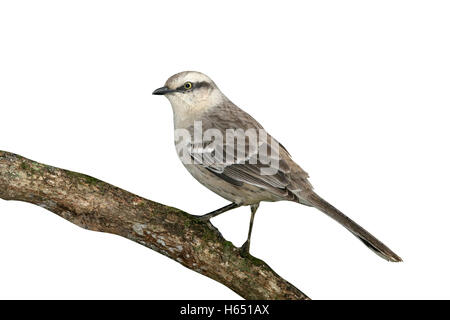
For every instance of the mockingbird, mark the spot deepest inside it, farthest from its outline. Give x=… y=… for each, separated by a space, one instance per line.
x=242 y=171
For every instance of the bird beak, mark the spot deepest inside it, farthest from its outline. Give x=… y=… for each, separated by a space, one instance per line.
x=162 y=91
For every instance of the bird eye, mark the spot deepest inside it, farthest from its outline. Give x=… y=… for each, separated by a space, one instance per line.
x=188 y=85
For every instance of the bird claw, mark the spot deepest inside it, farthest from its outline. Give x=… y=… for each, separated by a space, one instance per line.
x=204 y=218
x=207 y=221
x=245 y=249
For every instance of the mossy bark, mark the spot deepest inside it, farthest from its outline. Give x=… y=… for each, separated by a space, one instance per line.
x=99 y=206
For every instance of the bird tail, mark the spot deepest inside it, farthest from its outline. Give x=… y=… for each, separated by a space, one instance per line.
x=369 y=240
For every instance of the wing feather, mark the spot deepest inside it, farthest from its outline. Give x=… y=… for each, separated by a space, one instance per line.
x=287 y=179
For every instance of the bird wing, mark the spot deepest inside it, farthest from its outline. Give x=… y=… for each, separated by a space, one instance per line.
x=268 y=166
x=254 y=166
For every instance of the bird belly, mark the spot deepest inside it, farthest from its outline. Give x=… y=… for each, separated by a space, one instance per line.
x=245 y=194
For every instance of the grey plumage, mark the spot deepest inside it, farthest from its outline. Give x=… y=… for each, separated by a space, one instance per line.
x=240 y=180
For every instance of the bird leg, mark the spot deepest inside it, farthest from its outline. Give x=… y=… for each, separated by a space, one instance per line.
x=212 y=214
x=246 y=246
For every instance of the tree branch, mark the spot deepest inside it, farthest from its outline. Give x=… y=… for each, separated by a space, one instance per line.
x=99 y=206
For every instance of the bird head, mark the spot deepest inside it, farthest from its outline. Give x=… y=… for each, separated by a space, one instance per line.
x=190 y=92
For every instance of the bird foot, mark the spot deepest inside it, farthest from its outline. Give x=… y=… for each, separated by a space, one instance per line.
x=245 y=249
x=207 y=221
x=204 y=218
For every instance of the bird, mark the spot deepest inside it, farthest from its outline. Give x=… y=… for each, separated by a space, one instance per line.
x=200 y=108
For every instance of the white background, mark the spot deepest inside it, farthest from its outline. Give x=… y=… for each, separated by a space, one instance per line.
x=358 y=92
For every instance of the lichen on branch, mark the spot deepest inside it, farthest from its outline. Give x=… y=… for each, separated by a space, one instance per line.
x=99 y=206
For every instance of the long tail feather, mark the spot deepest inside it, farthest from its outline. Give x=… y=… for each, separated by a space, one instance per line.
x=369 y=240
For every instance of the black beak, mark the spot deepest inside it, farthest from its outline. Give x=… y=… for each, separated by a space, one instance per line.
x=162 y=91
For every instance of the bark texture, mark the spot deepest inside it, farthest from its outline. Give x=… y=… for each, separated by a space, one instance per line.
x=99 y=206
